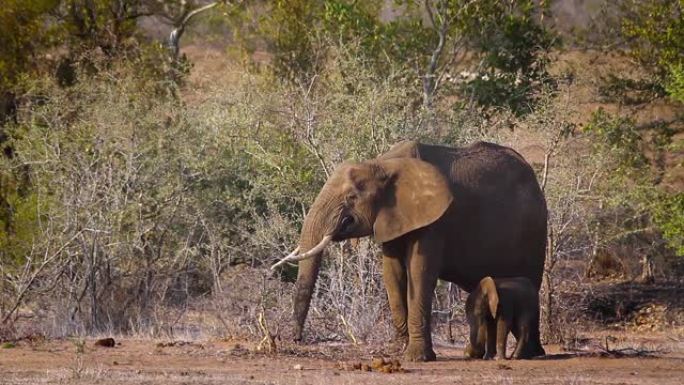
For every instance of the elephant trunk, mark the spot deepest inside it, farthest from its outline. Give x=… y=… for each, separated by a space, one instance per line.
x=306 y=281
x=316 y=226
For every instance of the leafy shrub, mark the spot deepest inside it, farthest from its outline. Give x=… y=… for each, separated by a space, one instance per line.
x=668 y=215
x=514 y=49
x=675 y=82
x=654 y=31
x=507 y=39
x=24 y=29
x=621 y=136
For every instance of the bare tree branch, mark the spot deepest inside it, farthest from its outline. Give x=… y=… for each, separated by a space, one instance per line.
x=30 y=277
x=441 y=27
x=177 y=32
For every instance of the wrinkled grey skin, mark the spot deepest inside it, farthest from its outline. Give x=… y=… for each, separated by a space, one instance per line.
x=499 y=306
x=494 y=225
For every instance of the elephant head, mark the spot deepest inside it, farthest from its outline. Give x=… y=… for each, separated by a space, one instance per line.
x=488 y=301
x=481 y=306
x=385 y=198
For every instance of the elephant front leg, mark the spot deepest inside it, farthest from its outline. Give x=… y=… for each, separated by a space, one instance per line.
x=491 y=339
x=394 y=275
x=422 y=269
x=478 y=344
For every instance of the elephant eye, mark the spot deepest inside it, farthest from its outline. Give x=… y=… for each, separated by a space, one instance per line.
x=346 y=222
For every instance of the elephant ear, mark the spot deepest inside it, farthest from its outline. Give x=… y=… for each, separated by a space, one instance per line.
x=416 y=195
x=488 y=289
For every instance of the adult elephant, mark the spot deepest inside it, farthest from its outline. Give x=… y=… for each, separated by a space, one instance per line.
x=458 y=214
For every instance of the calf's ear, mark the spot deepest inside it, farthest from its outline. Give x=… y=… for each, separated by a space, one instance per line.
x=488 y=289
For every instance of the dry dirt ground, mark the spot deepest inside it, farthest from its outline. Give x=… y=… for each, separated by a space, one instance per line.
x=222 y=362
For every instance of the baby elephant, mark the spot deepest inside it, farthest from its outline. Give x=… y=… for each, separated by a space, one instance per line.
x=498 y=306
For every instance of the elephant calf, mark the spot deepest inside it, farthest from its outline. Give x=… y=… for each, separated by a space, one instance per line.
x=498 y=306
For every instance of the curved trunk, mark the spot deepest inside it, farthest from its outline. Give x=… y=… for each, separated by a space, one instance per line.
x=313 y=231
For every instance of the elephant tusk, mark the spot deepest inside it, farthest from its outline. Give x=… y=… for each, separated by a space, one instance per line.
x=316 y=249
x=293 y=253
x=293 y=257
x=289 y=256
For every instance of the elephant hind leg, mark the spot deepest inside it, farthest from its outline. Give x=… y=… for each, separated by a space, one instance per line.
x=524 y=348
x=520 y=349
x=534 y=345
x=528 y=341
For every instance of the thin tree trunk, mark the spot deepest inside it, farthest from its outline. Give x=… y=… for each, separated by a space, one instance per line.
x=647 y=275
x=93 y=286
x=551 y=334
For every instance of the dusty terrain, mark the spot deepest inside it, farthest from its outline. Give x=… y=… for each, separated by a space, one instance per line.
x=229 y=362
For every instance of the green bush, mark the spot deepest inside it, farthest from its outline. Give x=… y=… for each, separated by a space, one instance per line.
x=621 y=137
x=631 y=190
x=654 y=31
x=511 y=44
x=514 y=48
x=668 y=215
x=25 y=28
x=675 y=82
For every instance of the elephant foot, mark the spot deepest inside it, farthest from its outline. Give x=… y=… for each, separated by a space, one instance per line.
x=469 y=352
x=398 y=345
x=419 y=352
x=526 y=354
x=297 y=338
x=539 y=352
